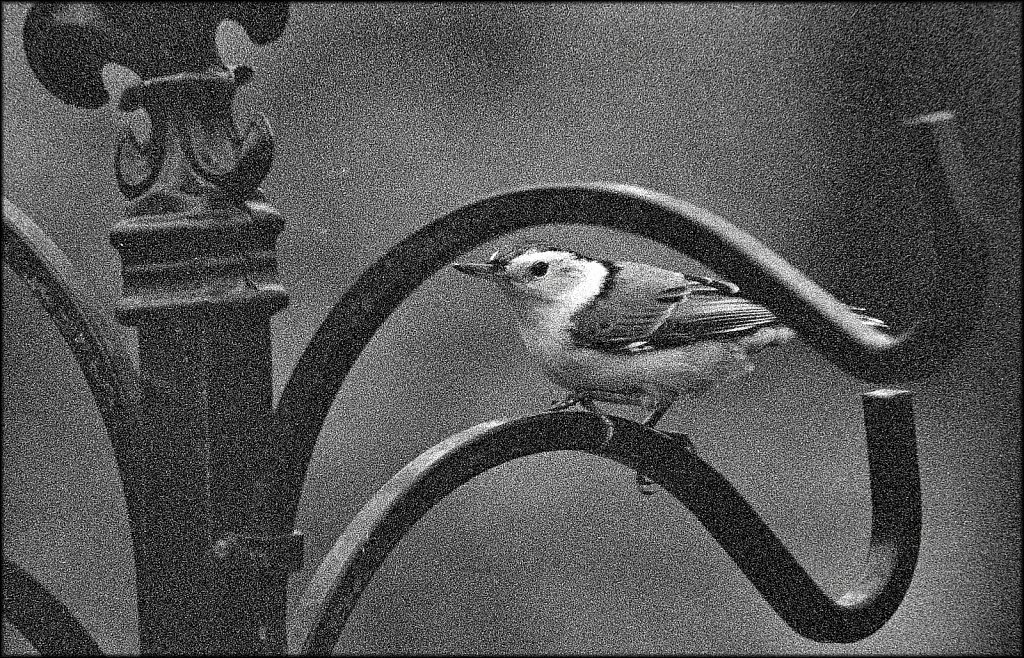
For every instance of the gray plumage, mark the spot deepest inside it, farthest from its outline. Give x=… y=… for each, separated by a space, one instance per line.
x=629 y=332
x=653 y=308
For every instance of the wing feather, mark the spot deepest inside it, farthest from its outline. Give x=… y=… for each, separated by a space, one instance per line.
x=710 y=317
x=635 y=301
x=644 y=308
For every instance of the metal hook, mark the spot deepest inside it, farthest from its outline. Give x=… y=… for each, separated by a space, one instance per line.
x=895 y=527
x=933 y=148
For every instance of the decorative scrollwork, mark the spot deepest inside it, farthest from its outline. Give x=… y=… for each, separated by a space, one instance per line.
x=194 y=154
x=193 y=138
x=199 y=262
x=68 y=43
x=932 y=147
x=199 y=239
x=895 y=506
x=199 y=234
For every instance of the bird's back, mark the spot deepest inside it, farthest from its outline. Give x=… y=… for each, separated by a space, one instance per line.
x=711 y=316
x=646 y=307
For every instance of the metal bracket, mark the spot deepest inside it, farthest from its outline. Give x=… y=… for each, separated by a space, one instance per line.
x=261 y=552
x=319 y=616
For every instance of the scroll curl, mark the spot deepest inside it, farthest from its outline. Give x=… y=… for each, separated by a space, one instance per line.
x=194 y=149
x=895 y=527
x=68 y=43
x=933 y=149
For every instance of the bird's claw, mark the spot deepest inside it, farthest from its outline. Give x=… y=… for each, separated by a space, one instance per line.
x=569 y=401
x=646 y=485
x=572 y=400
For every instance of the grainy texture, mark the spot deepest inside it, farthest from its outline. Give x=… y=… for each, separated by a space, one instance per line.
x=932 y=145
x=334 y=591
x=387 y=116
x=34 y=611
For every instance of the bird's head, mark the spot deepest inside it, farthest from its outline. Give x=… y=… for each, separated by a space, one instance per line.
x=541 y=274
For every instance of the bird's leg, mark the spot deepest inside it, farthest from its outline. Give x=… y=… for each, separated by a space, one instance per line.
x=582 y=398
x=662 y=403
x=684 y=438
x=586 y=400
x=572 y=398
x=645 y=485
x=661 y=406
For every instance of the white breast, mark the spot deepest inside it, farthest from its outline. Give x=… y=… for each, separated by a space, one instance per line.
x=544 y=324
x=676 y=369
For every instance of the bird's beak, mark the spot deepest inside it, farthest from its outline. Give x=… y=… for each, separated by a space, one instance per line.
x=489 y=271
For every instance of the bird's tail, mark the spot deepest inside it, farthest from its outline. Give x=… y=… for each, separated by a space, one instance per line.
x=778 y=334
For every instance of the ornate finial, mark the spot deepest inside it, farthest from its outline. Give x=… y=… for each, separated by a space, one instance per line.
x=186 y=89
x=198 y=233
x=68 y=43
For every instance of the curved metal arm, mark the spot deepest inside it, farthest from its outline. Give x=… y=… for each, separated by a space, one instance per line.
x=821 y=319
x=44 y=621
x=101 y=353
x=895 y=531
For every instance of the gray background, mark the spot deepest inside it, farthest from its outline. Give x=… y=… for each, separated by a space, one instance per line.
x=388 y=116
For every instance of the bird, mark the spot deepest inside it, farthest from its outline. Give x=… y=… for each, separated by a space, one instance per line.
x=630 y=333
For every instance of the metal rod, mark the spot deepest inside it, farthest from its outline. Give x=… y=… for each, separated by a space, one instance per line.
x=213 y=474
x=93 y=339
x=44 y=621
x=820 y=318
x=334 y=590
x=200 y=283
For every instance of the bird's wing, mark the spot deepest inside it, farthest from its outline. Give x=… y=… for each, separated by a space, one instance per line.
x=635 y=302
x=710 y=317
x=650 y=308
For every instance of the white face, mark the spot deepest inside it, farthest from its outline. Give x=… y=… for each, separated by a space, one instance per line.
x=553 y=276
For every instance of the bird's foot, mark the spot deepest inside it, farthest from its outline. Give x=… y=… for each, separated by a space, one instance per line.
x=646 y=485
x=573 y=399
x=584 y=400
x=569 y=401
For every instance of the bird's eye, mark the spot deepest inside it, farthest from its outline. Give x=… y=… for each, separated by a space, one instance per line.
x=539 y=268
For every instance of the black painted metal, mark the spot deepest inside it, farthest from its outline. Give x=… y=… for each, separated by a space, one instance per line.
x=200 y=284
x=821 y=319
x=92 y=337
x=42 y=618
x=68 y=43
x=895 y=504
x=213 y=474
x=207 y=400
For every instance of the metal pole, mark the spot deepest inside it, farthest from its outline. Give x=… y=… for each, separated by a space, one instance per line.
x=200 y=284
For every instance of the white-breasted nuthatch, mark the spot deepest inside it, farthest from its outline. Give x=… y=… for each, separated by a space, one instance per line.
x=629 y=333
